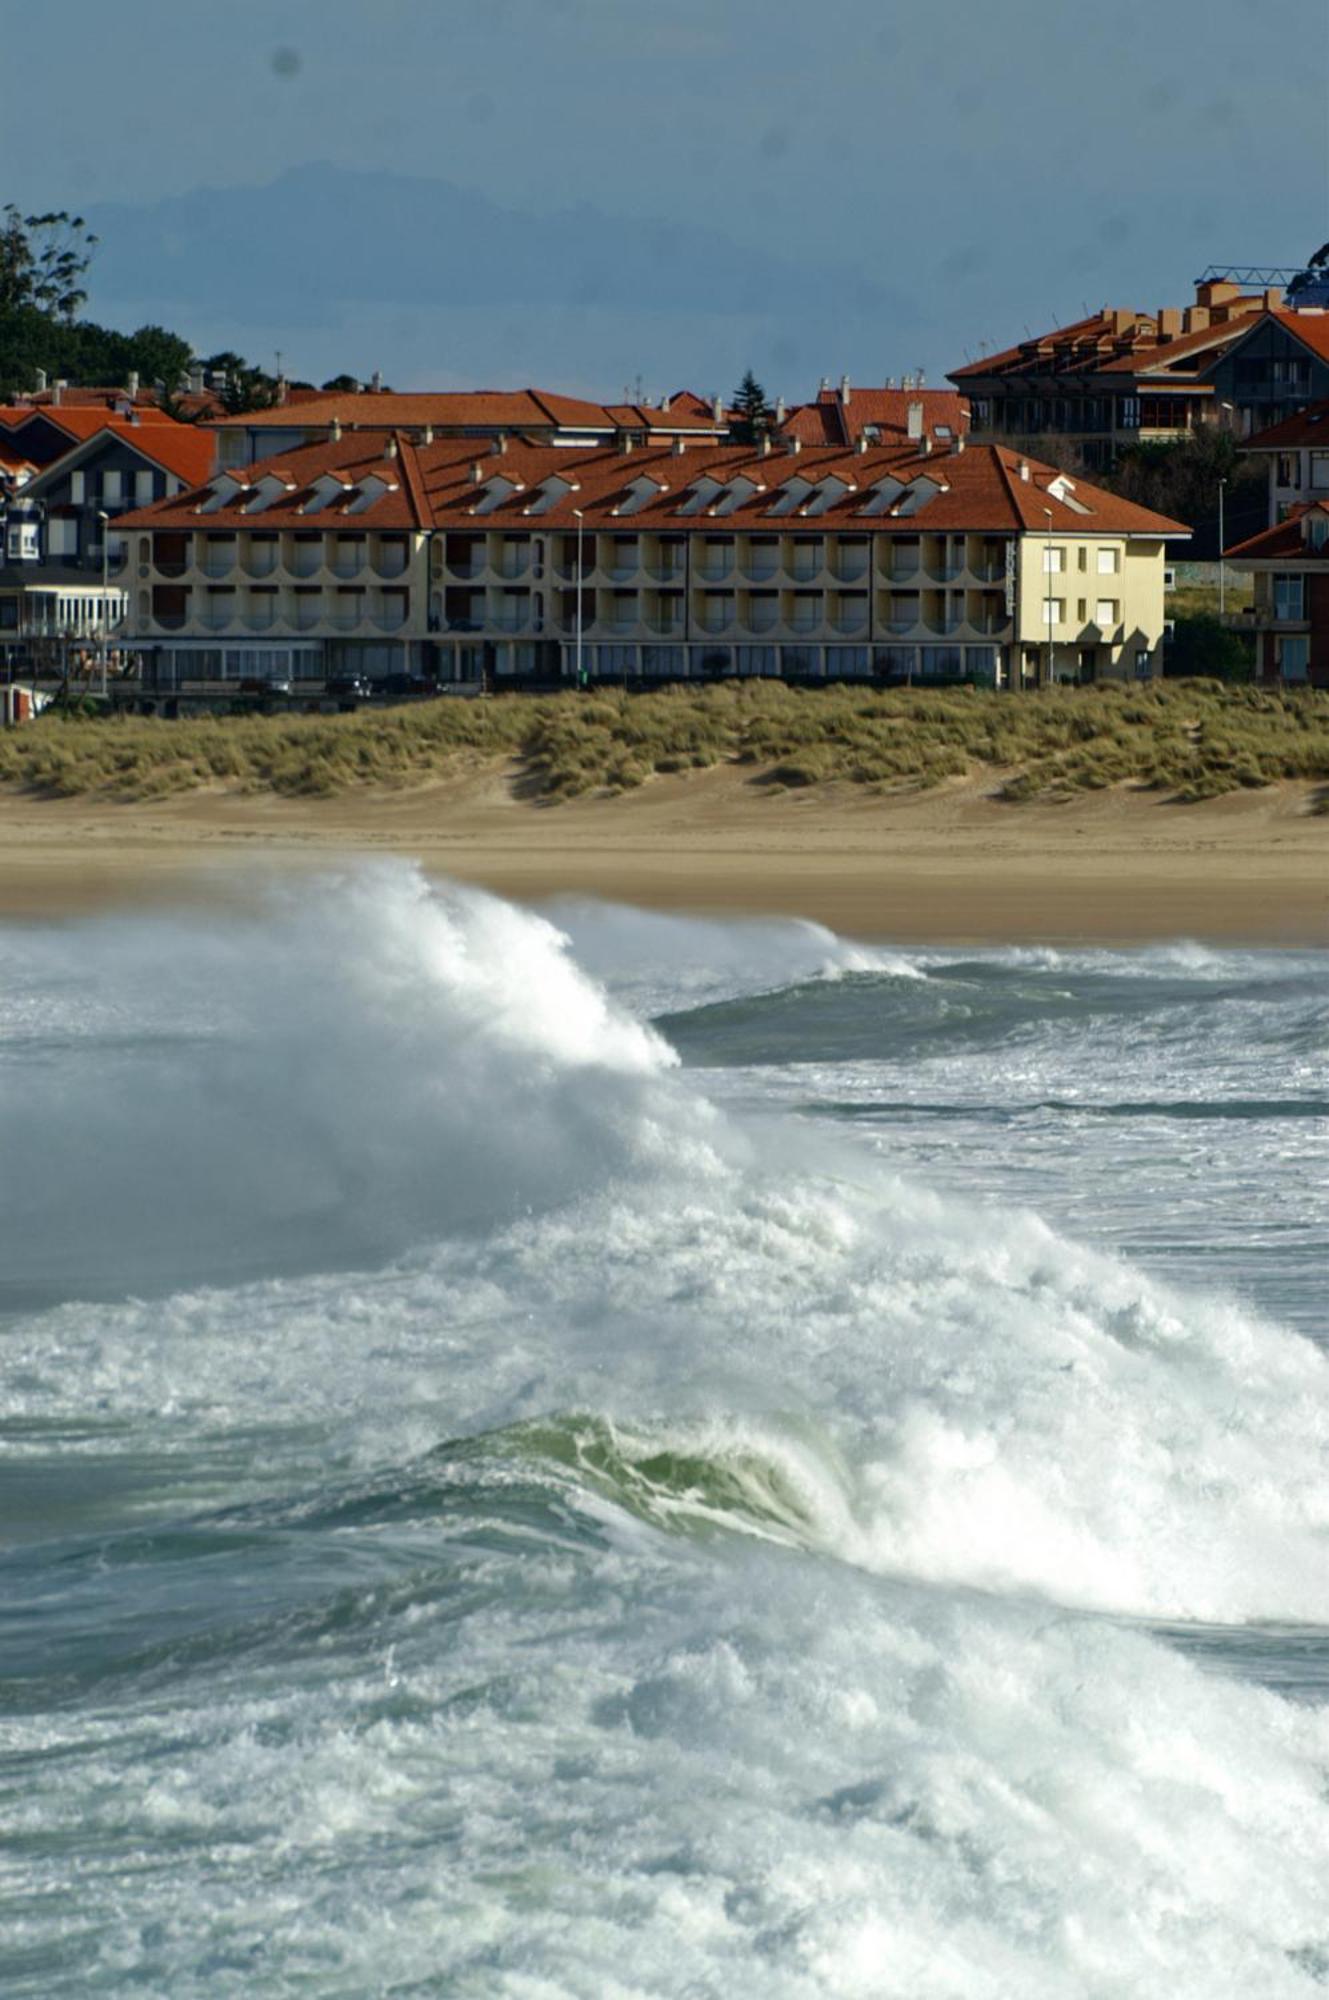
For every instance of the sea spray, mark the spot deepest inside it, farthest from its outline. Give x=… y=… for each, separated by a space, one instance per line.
x=664 y=1547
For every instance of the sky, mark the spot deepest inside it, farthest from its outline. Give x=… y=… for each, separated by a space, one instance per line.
x=595 y=194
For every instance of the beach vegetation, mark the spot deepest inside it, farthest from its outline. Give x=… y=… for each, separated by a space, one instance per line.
x=1177 y=740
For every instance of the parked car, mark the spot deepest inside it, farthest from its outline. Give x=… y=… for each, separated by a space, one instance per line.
x=348 y=687
x=256 y=684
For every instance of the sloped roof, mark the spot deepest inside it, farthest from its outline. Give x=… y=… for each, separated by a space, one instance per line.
x=830 y=420
x=1308 y=427
x=1284 y=541
x=439 y=485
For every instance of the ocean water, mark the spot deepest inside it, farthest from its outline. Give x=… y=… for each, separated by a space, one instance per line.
x=603 y=1456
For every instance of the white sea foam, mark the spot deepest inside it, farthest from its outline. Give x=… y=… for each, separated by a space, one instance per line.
x=703 y=1562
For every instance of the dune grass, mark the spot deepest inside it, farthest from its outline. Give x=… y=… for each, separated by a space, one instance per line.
x=1184 y=740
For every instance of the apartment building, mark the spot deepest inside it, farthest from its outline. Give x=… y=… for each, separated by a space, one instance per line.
x=538 y=564
x=1121 y=376
x=1289 y=565
x=538 y=416
x=61 y=561
x=903 y=415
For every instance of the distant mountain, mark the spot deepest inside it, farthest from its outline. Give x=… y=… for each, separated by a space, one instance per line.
x=321 y=237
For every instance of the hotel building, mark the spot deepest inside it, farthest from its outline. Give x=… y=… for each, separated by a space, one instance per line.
x=530 y=564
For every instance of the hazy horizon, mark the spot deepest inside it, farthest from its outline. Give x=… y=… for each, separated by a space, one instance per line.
x=583 y=194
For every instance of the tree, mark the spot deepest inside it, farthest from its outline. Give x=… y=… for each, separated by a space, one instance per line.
x=43 y=260
x=754 y=412
x=245 y=387
x=1202 y=644
x=342 y=384
x=1182 y=480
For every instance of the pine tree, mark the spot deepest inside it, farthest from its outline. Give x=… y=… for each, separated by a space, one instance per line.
x=754 y=412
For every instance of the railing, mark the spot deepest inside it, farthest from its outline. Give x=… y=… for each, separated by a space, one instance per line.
x=172 y=568
x=170 y=621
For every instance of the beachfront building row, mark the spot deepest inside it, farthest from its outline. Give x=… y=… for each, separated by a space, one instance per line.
x=1234 y=359
x=372 y=556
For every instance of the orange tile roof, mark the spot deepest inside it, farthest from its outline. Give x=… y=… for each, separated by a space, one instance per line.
x=1307 y=427
x=387 y=409
x=980 y=489
x=1283 y=541
x=831 y=421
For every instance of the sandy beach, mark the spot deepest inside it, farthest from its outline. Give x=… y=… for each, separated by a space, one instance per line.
x=950 y=865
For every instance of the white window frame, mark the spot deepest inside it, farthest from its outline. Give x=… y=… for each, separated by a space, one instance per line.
x=1109 y=562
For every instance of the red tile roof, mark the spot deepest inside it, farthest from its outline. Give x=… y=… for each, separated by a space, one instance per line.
x=1308 y=427
x=1284 y=541
x=979 y=489
x=832 y=421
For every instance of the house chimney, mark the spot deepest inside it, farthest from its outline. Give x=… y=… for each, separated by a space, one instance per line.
x=500 y=444
x=392 y=448
x=915 y=420
x=793 y=446
x=862 y=445
x=764 y=447
x=427 y=434
x=131 y=383
x=624 y=443
x=779 y=410
x=334 y=431
x=927 y=447
x=376 y=381
x=477 y=473
x=1023 y=469
x=717 y=409
x=679 y=446
x=58 y=395
x=957 y=446
x=844 y=391
x=41 y=381
x=823 y=385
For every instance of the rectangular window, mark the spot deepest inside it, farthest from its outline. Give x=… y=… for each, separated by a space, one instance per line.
x=1054 y=561
x=77 y=488
x=1109 y=561
x=1319 y=471
x=112 y=488
x=62 y=538
x=1105 y=611
x=1084 y=556
x=1054 y=610
x=1082 y=609
x=1289 y=597
x=143 y=488
x=1294 y=656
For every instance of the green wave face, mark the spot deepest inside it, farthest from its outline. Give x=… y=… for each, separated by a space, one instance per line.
x=697 y=1481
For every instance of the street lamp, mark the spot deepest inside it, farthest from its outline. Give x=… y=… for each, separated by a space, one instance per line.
x=105 y=520
x=580 y=530
x=1047 y=590
x=1222 y=538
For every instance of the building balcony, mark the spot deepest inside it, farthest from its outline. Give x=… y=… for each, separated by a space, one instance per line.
x=216 y=566
x=391 y=562
x=713 y=573
x=1263 y=618
x=347 y=567
x=665 y=573
x=258 y=563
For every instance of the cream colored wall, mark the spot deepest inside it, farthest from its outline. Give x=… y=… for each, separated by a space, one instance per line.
x=1136 y=587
